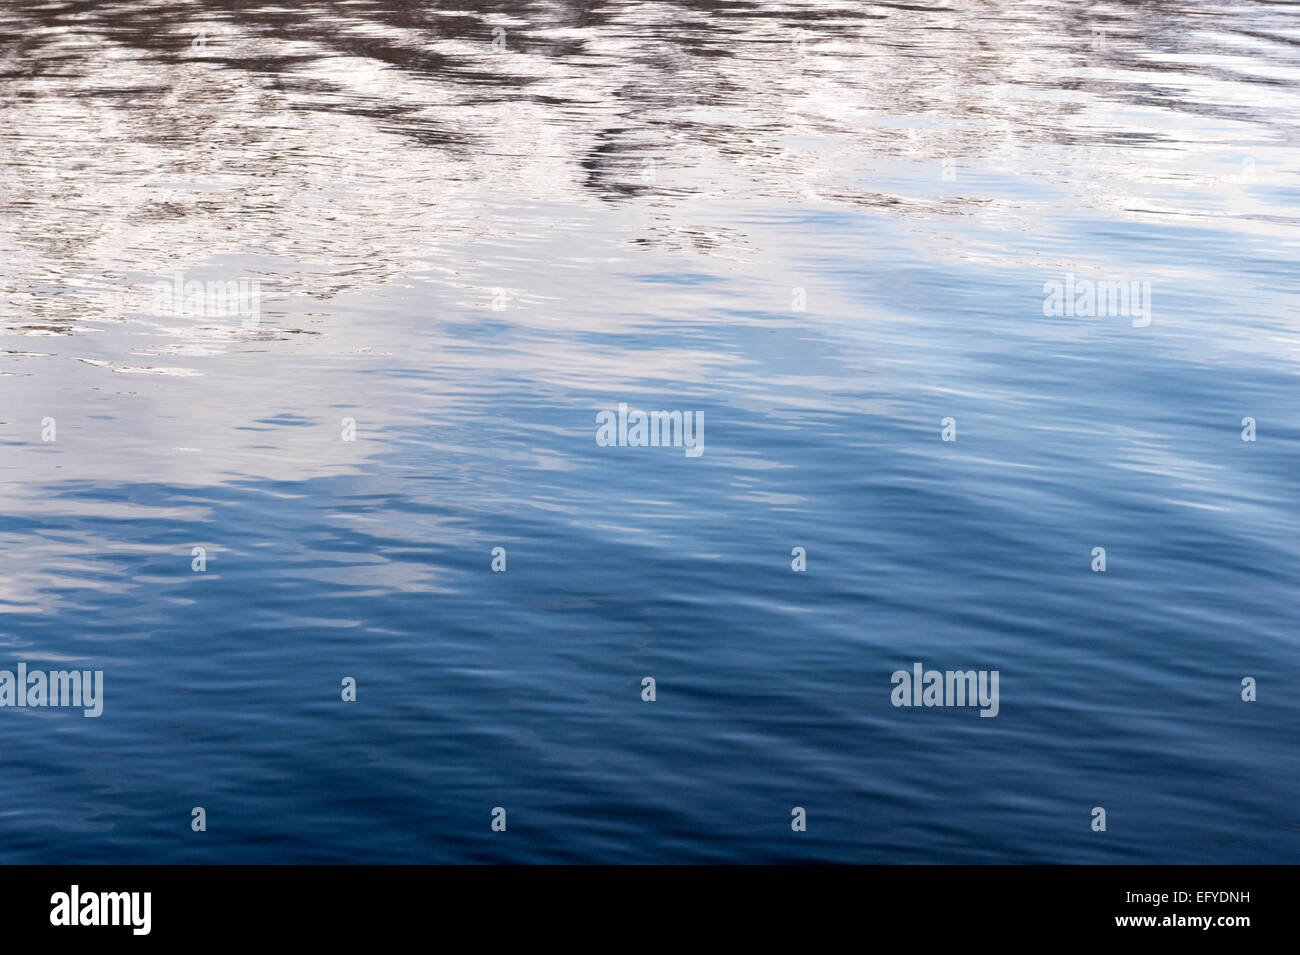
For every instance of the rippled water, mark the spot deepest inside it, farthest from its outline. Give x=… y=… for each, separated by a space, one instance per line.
x=473 y=227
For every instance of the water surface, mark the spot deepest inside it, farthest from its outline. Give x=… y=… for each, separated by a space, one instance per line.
x=824 y=226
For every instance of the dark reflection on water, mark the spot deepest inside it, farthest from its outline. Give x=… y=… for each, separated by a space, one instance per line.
x=472 y=229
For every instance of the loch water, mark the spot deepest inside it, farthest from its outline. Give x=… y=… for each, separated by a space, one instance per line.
x=826 y=229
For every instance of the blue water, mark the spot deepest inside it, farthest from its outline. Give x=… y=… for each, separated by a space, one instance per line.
x=470 y=250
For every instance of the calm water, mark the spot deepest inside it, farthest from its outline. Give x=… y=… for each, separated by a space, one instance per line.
x=824 y=226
